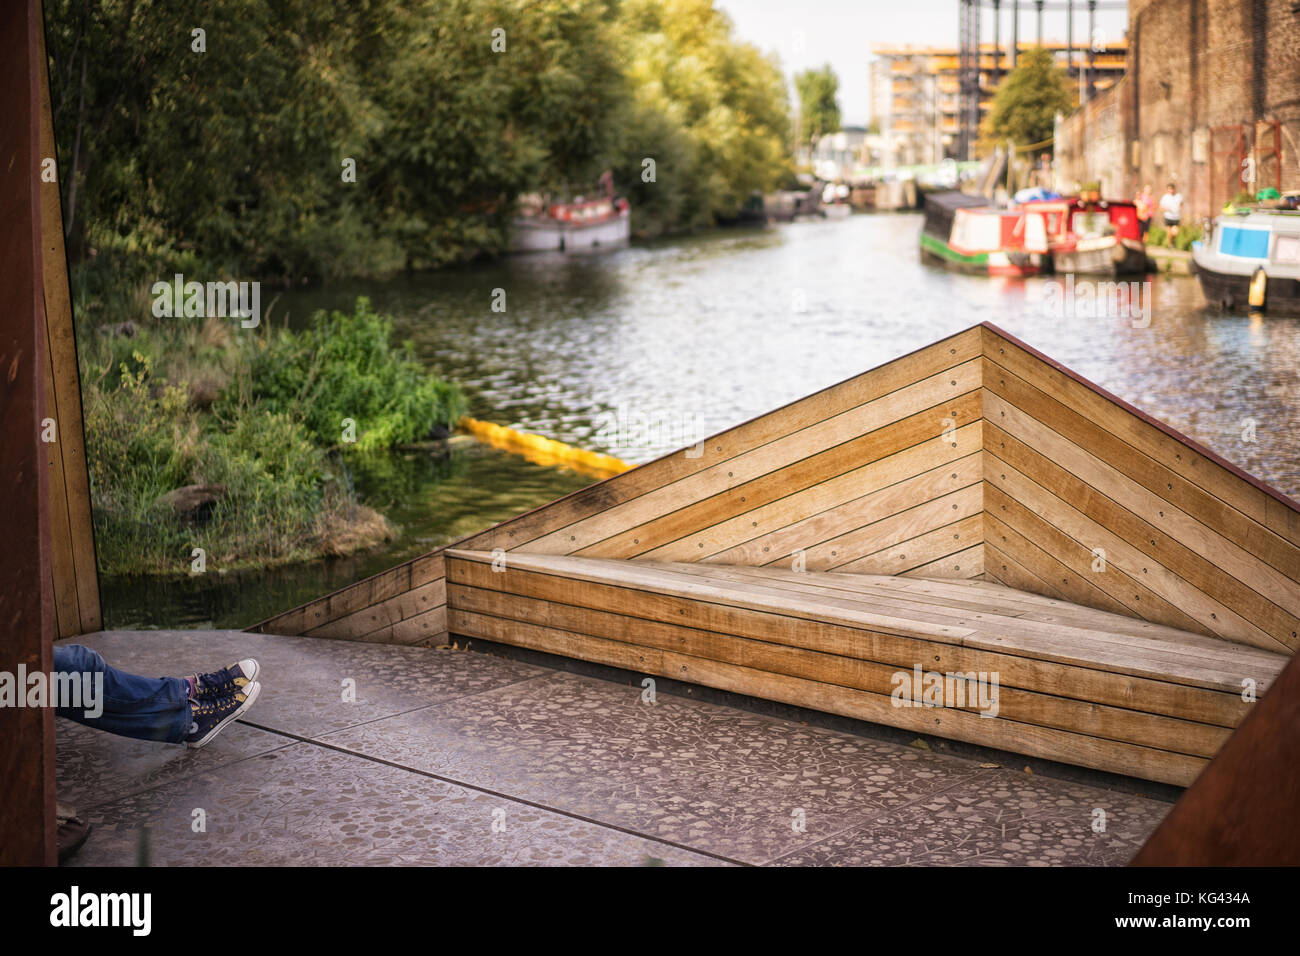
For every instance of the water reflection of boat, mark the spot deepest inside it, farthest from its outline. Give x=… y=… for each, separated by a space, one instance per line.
x=1261 y=247
x=571 y=225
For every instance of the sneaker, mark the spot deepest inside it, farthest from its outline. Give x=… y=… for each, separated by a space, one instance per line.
x=72 y=831
x=208 y=715
x=222 y=683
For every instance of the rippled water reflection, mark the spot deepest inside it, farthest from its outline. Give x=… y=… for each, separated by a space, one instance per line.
x=733 y=324
x=713 y=330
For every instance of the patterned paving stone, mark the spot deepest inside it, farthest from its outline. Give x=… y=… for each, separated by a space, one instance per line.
x=303 y=677
x=311 y=806
x=726 y=783
x=94 y=767
x=1001 y=818
x=741 y=785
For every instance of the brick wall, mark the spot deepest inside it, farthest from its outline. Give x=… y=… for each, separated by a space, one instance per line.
x=1205 y=78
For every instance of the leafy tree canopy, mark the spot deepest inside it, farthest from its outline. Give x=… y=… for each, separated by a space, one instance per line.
x=1027 y=100
x=819 y=107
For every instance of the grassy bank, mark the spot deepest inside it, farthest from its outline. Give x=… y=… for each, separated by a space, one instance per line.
x=203 y=434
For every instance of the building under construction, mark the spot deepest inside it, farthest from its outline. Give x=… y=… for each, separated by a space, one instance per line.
x=928 y=101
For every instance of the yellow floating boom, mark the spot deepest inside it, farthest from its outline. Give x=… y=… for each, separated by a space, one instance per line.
x=544 y=451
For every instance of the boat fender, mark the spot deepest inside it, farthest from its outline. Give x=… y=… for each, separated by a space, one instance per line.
x=1258 y=284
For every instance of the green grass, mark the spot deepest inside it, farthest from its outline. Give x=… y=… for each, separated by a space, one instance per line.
x=257 y=411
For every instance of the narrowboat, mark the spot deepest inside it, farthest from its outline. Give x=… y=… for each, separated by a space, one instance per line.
x=964 y=232
x=1252 y=260
x=1099 y=237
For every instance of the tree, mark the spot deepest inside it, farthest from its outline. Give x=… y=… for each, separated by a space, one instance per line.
x=1026 y=102
x=711 y=111
x=819 y=106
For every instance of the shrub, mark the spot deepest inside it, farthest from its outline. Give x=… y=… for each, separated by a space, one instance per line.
x=343 y=367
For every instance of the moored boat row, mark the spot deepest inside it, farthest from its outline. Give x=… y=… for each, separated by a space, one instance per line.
x=1056 y=234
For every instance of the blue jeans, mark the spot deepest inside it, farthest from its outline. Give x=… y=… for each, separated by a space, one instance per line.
x=147 y=708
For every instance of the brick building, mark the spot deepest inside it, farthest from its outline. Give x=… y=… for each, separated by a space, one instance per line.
x=1210 y=101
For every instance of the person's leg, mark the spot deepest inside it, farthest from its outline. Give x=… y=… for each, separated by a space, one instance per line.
x=146 y=708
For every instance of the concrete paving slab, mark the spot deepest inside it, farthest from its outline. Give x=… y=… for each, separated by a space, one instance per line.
x=306 y=805
x=95 y=767
x=303 y=677
x=1000 y=818
x=583 y=770
x=743 y=786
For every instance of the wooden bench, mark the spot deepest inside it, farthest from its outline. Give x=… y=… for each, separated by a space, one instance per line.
x=1070 y=683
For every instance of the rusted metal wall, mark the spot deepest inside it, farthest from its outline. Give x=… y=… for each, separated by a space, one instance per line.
x=27 y=832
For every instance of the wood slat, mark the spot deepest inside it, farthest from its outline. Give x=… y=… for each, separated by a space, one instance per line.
x=896 y=421
x=1050 y=743
x=72 y=541
x=1014 y=703
x=1217 y=602
x=1178 y=453
x=659 y=591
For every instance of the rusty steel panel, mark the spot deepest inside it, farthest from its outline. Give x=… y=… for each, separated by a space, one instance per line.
x=1241 y=810
x=27 y=831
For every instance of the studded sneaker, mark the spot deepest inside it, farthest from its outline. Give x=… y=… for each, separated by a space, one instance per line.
x=208 y=715
x=226 y=681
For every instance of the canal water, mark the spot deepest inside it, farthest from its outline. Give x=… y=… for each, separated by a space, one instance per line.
x=639 y=351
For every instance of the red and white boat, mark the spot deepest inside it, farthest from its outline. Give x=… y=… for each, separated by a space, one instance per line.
x=1092 y=237
x=570 y=226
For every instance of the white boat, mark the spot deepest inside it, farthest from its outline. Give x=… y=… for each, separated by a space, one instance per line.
x=573 y=226
x=1261 y=249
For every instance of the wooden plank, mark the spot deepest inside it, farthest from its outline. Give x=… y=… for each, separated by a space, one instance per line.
x=913 y=553
x=1006 y=611
x=554 y=641
x=1048 y=743
x=1178 y=574
x=827 y=507
x=957 y=724
x=377 y=617
x=774 y=534
x=63 y=572
x=1083 y=684
x=963 y=563
x=1167 y=483
x=76 y=579
x=1175 y=451
x=650 y=592
x=1014 y=703
x=829 y=448
x=877 y=536
x=1231 y=559
x=642 y=584
x=1111 y=589
x=356 y=597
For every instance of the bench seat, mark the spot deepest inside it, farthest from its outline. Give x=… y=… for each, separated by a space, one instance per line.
x=1067 y=682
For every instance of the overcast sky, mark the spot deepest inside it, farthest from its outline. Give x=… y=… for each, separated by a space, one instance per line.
x=805 y=33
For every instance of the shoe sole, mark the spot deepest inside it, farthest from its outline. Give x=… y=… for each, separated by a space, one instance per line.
x=252 y=692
